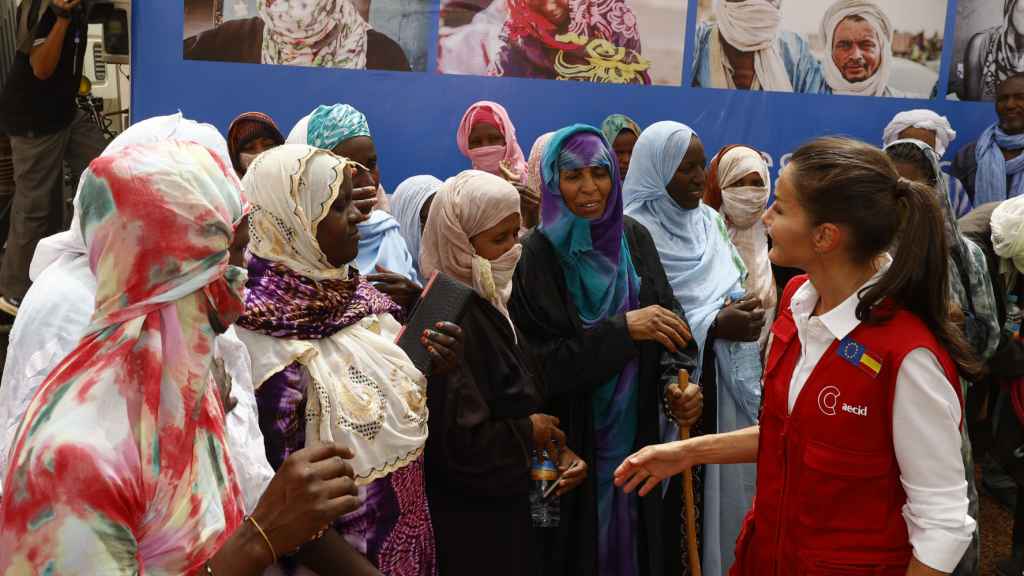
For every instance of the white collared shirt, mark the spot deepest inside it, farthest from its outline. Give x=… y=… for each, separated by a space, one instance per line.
x=926 y=430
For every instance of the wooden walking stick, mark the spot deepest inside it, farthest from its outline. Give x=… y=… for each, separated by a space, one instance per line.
x=688 y=501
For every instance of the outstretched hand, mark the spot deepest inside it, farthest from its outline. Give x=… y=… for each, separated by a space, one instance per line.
x=651 y=465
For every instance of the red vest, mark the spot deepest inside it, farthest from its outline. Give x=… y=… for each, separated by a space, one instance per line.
x=829 y=496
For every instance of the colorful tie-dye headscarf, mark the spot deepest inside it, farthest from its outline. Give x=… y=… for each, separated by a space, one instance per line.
x=615 y=124
x=332 y=125
x=594 y=254
x=120 y=464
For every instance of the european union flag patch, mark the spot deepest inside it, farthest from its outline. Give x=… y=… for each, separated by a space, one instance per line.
x=855 y=353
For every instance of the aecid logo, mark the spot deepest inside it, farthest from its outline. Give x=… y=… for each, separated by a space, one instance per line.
x=855 y=410
x=828 y=400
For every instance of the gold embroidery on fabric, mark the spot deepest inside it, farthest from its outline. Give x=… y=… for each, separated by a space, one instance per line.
x=604 y=62
x=374 y=326
x=412 y=394
x=362 y=404
x=388 y=468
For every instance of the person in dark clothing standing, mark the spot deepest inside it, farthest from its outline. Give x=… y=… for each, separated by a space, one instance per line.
x=992 y=167
x=485 y=417
x=38 y=113
x=594 y=306
x=990 y=404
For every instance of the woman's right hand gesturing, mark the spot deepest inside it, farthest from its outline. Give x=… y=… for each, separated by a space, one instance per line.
x=312 y=488
x=659 y=324
x=652 y=464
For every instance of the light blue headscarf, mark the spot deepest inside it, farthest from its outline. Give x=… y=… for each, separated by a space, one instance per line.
x=381 y=244
x=332 y=125
x=703 y=268
x=701 y=263
x=406 y=204
x=993 y=169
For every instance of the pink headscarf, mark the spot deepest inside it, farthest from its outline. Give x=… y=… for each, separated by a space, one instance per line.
x=466 y=205
x=489 y=111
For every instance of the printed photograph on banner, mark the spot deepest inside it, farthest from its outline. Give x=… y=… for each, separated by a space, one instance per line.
x=605 y=41
x=848 y=47
x=351 y=34
x=988 y=48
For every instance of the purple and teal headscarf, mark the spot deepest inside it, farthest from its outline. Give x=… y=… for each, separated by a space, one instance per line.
x=602 y=282
x=594 y=254
x=332 y=125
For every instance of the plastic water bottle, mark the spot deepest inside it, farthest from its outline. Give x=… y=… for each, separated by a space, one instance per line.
x=546 y=513
x=1013 y=317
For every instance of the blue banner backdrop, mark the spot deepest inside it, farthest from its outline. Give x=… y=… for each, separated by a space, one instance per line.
x=414 y=115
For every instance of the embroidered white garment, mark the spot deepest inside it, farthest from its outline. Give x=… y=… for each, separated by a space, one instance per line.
x=362 y=390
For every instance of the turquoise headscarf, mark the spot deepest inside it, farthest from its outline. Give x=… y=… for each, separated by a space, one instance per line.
x=332 y=125
x=602 y=282
x=594 y=254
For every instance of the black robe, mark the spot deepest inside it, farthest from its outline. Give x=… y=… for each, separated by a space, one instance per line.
x=574 y=361
x=478 y=452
